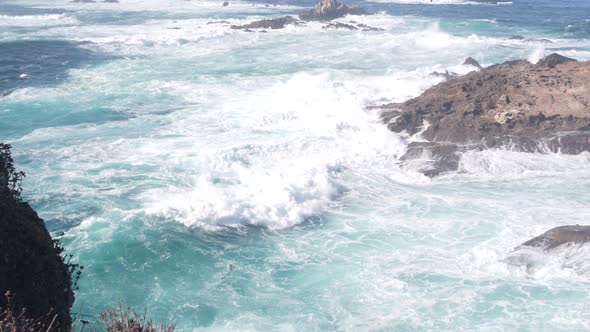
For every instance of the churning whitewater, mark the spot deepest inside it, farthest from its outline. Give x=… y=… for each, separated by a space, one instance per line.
x=238 y=180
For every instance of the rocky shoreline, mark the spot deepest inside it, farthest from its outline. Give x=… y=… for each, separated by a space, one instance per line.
x=543 y=107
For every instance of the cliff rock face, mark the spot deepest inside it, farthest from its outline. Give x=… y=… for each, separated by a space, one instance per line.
x=31 y=266
x=516 y=104
x=330 y=9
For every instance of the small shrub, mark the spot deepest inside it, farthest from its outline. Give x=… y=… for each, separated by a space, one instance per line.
x=127 y=320
x=11 y=321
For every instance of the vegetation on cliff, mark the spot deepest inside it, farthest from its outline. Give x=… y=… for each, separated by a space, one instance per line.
x=33 y=273
x=37 y=281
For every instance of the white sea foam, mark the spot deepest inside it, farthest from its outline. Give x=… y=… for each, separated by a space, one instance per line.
x=281 y=184
x=445 y=2
x=37 y=20
x=537 y=54
x=504 y=165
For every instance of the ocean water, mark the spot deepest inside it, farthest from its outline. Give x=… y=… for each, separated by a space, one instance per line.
x=228 y=180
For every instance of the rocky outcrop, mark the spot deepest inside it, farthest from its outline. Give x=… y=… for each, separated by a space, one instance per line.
x=558 y=236
x=274 y=23
x=528 y=107
x=328 y=10
x=31 y=265
x=554 y=60
x=472 y=62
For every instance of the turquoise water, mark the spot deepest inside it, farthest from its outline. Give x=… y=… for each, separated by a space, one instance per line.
x=228 y=180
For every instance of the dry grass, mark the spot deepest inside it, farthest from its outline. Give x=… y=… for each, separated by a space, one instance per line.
x=122 y=319
x=127 y=320
x=12 y=321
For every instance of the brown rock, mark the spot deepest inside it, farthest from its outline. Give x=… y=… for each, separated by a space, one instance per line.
x=531 y=108
x=515 y=100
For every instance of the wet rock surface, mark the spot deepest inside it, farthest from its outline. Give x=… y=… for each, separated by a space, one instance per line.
x=558 y=236
x=274 y=23
x=516 y=104
x=472 y=62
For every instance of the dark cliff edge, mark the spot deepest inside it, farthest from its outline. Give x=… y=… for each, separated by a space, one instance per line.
x=543 y=107
x=32 y=268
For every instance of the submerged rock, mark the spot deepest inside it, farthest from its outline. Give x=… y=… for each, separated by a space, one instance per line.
x=431 y=159
x=527 y=107
x=338 y=25
x=558 y=236
x=534 y=40
x=328 y=10
x=274 y=23
x=217 y=22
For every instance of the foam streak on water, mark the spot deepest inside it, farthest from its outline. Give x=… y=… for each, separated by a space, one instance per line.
x=230 y=180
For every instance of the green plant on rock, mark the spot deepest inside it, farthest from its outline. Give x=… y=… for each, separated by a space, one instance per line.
x=10 y=179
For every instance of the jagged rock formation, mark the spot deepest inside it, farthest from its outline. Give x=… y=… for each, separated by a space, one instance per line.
x=472 y=62
x=31 y=266
x=328 y=10
x=554 y=60
x=558 y=236
x=527 y=107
